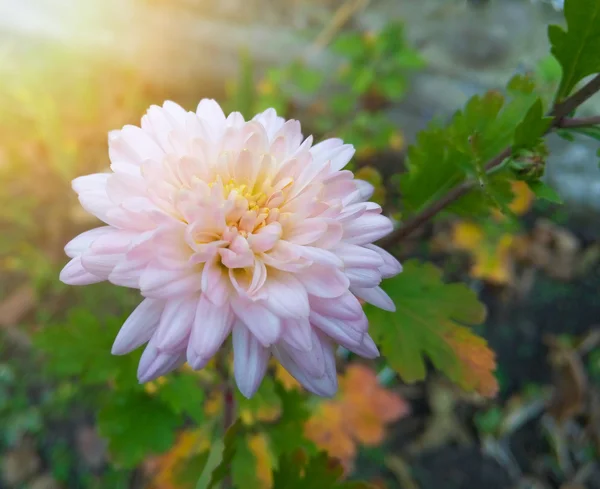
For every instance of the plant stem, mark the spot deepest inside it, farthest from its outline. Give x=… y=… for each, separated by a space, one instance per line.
x=568 y=122
x=229 y=406
x=559 y=112
x=563 y=109
x=228 y=416
x=228 y=403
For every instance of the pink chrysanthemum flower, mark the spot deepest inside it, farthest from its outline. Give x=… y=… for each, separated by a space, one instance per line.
x=228 y=226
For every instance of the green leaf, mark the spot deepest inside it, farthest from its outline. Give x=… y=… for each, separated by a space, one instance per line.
x=187 y=472
x=592 y=132
x=541 y=190
x=532 y=127
x=287 y=433
x=137 y=425
x=364 y=79
x=82 y=347
x=243 y=467
x=342 y=104
x=408 y=59
x=429 y=323
x=549 y=70
x=182 y=393
x=319 y=472
x=305 y=79
x=265 y=398
x=577 y=48
x=392 y=87
x=230 y=442
x=349 y=44
x=215 y=456
x=442 y=158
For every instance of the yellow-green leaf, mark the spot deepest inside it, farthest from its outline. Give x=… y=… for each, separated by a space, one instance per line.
x=429 y=323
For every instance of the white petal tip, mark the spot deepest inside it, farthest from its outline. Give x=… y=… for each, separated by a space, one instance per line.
x=248 y=391
x=118 y=350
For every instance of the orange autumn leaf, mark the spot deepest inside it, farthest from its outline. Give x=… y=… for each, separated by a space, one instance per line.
x=359 y=415
x=477 y=361
x=327 y=428
x=369 y=405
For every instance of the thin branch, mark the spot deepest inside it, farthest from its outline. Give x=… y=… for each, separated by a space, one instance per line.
x=570 y=123
x=563 y=109
x=341 y=16
x=559 y=112
x=229 y=408
x=228 y=402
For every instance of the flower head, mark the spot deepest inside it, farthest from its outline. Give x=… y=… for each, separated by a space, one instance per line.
x=227 y=226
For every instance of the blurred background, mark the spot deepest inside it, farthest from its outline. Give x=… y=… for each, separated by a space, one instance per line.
x=374 y=72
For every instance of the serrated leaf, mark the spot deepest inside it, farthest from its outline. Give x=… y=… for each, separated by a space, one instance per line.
x=182 y=393
x=442 y=158
x=428 y=324
x=136 y=425
x=81 y=347
x=319 y=472
x=577 y=48
x=230 y=443
x=532 y=127
x=543 y=191
x=287 y=433
x=246 y=469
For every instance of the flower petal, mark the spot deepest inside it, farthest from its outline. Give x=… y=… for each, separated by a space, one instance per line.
x=82 y=242
x=367 y=228
x=154 y=363
x=176 y=322
x=375 y=296
x=325 y=385
x=339 y=330
x=391 y=266
x=344 y=307
x=250 y=360
x=286 y=296
x=367 y=349
x=139 y=326
x=261 y=322
x=211 y=327
x=297 y=333
x=74 y=274
x=326 y=282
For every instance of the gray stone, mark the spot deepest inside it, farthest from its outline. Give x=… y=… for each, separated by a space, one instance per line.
x=45 y=481
x=19 y=465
